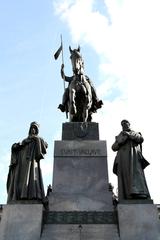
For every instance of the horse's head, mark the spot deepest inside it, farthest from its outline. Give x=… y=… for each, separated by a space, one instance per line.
x=76 y=60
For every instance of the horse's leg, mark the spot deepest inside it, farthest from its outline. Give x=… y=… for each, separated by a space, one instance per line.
x=87 y=106
x=70 y=117
x=85 y=110
x=72 y=96
x=85 y=115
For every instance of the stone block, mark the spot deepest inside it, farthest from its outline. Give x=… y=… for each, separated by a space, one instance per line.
x=80 y=179
x=80 y=131
x=80 y=167
x=138 y=222
x=75 y=232
x=21 y=222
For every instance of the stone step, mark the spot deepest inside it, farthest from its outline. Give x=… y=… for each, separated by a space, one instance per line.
x=80 y=232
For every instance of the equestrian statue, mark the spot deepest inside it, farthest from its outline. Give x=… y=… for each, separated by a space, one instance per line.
x=79 y=98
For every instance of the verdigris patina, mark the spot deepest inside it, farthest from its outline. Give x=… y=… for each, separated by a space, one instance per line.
x=24 y=177
x=80 y=98
x=129 y=164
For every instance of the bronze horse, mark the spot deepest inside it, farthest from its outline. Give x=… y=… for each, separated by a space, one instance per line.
x=80 y=93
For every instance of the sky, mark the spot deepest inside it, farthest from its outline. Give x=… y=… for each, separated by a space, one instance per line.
x=120 y=45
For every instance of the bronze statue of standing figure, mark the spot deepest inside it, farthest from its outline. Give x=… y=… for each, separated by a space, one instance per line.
x=80 y=98
x=129 y=164
x=24 y=178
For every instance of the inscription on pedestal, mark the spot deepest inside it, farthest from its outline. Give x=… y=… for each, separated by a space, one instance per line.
x=80 y=149
x=80 y=152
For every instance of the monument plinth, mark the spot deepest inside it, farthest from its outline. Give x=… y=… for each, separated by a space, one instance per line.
x=80 y=205
x=80 y=178
x=21 y=222
x=138 y=221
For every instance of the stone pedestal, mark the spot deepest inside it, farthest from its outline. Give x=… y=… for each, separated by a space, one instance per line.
x=21 y=222
x=138 y=222
x=80 y=178
x=80 y=206
x=80 y=131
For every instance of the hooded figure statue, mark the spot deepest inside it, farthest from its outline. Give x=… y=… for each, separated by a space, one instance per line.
x=24 y=178
x=129 y=164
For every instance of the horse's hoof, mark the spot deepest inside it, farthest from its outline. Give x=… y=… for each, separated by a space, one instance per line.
x=61 y=107
x=99 y=104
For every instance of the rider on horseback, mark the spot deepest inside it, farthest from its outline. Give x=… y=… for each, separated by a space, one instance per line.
x=96 y=103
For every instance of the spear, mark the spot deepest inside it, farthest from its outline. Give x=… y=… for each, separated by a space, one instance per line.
x=56 y=55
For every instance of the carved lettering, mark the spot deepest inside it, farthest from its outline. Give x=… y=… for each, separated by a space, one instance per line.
x=80 y=152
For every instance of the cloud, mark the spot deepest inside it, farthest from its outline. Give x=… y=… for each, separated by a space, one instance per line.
x=126 y=38
x=80 y=18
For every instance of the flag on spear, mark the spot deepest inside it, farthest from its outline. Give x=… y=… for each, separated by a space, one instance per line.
x=56 y=55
